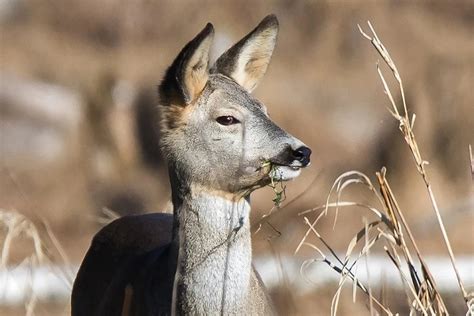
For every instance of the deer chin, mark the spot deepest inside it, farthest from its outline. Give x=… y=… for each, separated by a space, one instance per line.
x=284 y=173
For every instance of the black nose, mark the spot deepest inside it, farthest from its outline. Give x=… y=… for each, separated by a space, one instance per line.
x=302 y=154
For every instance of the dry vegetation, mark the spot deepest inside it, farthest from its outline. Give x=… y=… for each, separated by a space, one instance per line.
x=40 y=248
x=320 y=86
x=390 y=227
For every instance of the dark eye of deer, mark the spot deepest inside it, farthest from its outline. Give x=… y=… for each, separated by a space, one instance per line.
x=227 y=120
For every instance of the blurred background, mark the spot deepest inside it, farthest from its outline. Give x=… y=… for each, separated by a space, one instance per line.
x=79 y=139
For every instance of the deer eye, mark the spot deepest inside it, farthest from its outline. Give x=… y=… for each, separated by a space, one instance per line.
x=227 y=120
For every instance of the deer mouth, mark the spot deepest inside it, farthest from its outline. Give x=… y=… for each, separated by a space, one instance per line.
x=277 y=170
x=284 y=172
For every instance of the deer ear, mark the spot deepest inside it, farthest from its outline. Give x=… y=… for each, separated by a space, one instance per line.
x=247 y=61
x=186 y=77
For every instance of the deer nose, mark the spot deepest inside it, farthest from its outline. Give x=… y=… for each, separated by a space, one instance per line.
x=302 y=154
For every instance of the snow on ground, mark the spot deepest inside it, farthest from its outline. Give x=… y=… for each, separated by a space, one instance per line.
x=47 y=283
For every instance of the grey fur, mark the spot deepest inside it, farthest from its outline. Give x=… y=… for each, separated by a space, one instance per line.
x=198 y=261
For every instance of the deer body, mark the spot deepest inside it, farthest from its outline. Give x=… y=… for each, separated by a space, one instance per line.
x=220 y=146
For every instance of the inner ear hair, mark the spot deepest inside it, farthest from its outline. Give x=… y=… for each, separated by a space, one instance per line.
x=186 y=77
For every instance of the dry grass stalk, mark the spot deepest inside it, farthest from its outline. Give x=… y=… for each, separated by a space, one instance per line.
x=406 y=127
x=390 y=226
x=426 y=290
x=17 y=226
x=107 y=217
x=371 y=303
x=341 y=267
x=471 y=158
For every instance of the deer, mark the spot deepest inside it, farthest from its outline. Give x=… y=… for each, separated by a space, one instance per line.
x=220 y=146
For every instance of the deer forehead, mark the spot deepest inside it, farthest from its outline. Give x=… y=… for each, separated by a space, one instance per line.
x=223 y=91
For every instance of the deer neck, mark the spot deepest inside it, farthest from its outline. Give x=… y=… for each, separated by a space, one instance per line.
x=211 y=239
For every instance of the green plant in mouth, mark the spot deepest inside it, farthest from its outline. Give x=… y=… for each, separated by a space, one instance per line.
x=276 y=183
x=279 y=189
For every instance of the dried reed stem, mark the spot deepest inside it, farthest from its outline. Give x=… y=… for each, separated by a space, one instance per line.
x=393 y=204
x=471 y=158
x=391 y=226
x=406 y=127
x=345 y=270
